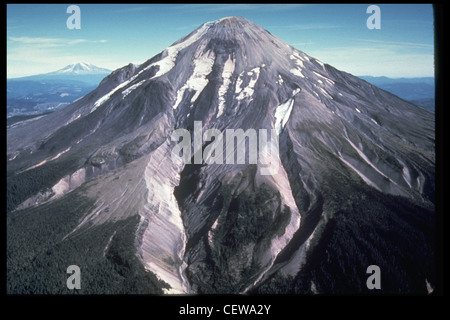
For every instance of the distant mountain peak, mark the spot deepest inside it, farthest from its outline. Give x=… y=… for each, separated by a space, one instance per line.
x=81 y=68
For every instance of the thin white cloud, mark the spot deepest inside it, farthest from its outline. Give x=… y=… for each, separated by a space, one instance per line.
x=50 y=42
x=398 y=44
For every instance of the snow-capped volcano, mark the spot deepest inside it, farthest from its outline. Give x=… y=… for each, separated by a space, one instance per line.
x=80 y=71
x=44 y=92
x=354 y=186
x=81 y=68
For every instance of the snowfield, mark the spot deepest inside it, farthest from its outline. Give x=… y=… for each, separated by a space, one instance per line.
x=227 y=72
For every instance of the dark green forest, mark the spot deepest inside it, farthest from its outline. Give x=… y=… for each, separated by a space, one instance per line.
x=22 y=185
x=38 y=254
x=370 y=228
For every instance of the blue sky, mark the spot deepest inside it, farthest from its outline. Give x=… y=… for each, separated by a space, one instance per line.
x=112 y=36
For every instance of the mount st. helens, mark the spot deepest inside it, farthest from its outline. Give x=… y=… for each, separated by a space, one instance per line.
x=94 y=184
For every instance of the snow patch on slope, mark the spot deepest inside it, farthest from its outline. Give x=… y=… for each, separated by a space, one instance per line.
x=325 y=93
x=168 y=62
x=197 y=82
x=297 y=72
x=247 y=92
x=280 y=80
x=296 y=55
x=227 y=72
x=297 y=59
x=283 y=112
x=323 y=77
x=320 y=62
x=72 y=119
x=131 y=88
x=106 y=97
x=165 y=64
x=239 y=83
